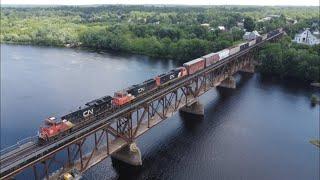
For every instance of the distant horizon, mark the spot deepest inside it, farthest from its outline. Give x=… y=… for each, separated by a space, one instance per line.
x=161 y=2
x=2 y=4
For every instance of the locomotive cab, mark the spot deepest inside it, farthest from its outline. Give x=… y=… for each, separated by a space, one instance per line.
x=183 y=71
x=121 y=97
x=53 y=129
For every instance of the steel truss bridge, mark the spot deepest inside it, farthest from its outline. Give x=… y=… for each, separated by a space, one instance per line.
x=114 y=133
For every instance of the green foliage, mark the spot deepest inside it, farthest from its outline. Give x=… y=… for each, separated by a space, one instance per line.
x=315 y=100
x=166 y=32
x=249 y=24
x=291 y=60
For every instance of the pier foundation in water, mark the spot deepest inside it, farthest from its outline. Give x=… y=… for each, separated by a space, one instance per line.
x=195 y=109
x=130 y=154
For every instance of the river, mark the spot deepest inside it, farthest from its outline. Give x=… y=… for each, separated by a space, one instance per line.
x=261 y=130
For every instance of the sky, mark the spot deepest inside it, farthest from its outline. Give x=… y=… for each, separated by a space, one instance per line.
x=185 y=2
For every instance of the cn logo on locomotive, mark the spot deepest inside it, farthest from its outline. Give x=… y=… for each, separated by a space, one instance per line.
x=87 y=112
x=171 y=76
x=140 y=90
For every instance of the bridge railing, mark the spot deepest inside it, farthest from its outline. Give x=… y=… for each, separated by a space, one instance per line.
x=21 y=143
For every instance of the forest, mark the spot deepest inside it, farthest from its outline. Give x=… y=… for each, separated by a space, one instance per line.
x=169 y=32
x=290 y=60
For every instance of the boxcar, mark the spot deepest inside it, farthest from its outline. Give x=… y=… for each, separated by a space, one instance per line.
x=166 y=77
x=272 y=33
x=252 y=42
x=194 y=65
x=211 y=58
x=259 y=39
x=264 y=37
x=234 y=49
x=223 y=53
x=244 y=46
x=141 y=88
x=280 y=29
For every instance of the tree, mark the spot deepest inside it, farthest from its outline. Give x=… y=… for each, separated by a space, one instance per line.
x=249 y=24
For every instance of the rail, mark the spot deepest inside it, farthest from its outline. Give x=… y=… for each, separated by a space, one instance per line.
x=19 y=144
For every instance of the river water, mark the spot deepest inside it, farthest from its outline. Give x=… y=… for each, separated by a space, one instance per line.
x=261 y=130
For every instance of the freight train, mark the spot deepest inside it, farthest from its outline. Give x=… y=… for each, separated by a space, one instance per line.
x=96 y=108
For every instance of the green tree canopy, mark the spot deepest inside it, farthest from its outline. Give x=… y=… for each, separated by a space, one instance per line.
x=249 y=24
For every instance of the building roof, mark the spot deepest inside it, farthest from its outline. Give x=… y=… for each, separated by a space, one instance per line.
x=308 y=32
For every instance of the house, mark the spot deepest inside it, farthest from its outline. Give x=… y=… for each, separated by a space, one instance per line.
x=205 y=25
x=268 y=18
x=221 y=28
x=240 y=24
x=250 y=35
x=315 y=24
x=316 y=32
x=306 y=37
x=265 y=19
x=156 y=23
x=291 y=21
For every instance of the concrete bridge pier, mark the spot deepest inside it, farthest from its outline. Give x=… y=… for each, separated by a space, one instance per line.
x=230 y=82
x=248 y=68
x=195 y=108
x=130 y=154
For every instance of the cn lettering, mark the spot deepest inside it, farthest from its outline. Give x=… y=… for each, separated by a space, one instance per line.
x=140 y=90
x=87 y=112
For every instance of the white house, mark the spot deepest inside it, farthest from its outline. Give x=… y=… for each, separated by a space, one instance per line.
x=205 y=24
x=250 y=35
x=221 y=28
x=306 y=37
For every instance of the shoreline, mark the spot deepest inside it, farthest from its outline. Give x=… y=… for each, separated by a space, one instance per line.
x=315 y=142
x=308 y=83
x=80 y=47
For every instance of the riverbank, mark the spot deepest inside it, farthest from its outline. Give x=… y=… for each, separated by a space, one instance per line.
x=315 y=84
x=315 y=142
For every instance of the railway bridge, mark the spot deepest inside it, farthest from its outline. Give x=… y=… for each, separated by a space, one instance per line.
x=114 y=133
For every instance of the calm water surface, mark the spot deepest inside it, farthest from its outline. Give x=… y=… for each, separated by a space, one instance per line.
x=258 y=131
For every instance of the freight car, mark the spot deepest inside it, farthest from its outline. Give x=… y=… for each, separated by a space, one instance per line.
x=139 y=89
x=53 y=129
x=258 y=39
x=243 y=46
x=223 y=53
x=234 y=49
x=194 y=65
x=280 y=30
x=252 y=42
x=211 y=58
x=273 y=33
x=264 y=37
